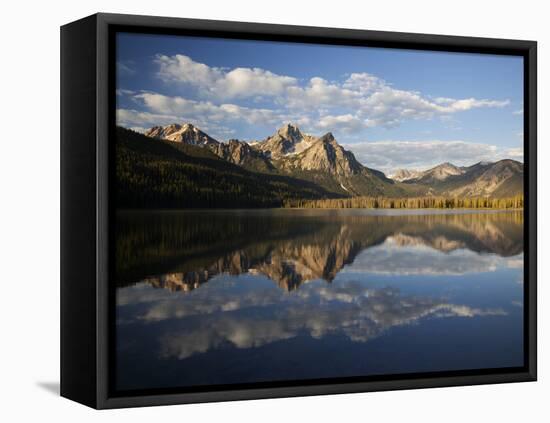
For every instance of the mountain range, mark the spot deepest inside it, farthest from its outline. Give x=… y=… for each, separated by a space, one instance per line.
x=498 y=179
x=321 y=160
x=288 y=164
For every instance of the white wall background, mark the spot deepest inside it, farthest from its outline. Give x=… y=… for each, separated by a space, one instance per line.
x=29 y=206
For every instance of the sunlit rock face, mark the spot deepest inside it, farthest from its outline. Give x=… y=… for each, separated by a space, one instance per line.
x=287 y=140
x=186 y=133
x=440 y=173
x=402 y=175
x=499 y=179
x=322 y=154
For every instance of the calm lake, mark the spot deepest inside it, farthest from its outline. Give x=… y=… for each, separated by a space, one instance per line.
x=234 y=296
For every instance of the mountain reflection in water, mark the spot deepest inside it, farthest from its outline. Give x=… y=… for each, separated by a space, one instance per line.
x=181 y=251
x=212 y=290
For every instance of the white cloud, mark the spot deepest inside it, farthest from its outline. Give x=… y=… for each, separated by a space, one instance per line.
x=218 y=82
x=182 y=68
x=389 y=106
x=377 y=103
x=122 y=92
x=515 y=153
x=163 y=110
x=450 y=105
x=389 y=156
x=364 y=83
x=346 y=123
x=245 y=82
x=142 y=121
x=220 y=97
x=135 y=118
x=384 y=105
x=321 y=94
x=370 y=99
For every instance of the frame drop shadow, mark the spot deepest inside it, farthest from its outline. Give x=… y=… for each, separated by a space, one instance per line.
x=50 y=387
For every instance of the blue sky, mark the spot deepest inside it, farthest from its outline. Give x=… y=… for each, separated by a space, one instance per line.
x=392 y=108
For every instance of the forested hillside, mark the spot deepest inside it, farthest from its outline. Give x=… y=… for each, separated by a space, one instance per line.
x=164 y=174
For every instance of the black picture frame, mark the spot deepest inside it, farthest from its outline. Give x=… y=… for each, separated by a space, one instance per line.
x=87 y=124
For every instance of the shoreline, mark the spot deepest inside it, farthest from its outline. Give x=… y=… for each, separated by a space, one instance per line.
x=369 y=211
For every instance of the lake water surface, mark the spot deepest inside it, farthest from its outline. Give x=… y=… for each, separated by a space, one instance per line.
x=237 y=296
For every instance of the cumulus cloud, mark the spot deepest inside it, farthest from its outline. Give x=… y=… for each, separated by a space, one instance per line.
x=218 y=82
x=364 y=83
x=320 y=93
x=389 y=106
x=134 y=118
x=182 y=68
x=385 y=105
x=227 y=97
x=346 y=123
x=141 y=121
x=371 y=100
x=389 y=156
x=452 y=105
x=162 y=110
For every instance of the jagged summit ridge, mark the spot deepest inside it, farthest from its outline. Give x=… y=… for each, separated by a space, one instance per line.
x=234 y=151
x=287 y=140
x=438 y=173
x=186 y=133
x=290 y=132
x=402 y=175
x=324 y=162
x=325 y=154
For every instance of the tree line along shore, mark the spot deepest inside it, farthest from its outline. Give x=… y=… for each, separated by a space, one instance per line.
x=435 y=202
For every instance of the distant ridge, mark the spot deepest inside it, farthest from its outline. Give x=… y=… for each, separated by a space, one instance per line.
x=499 y=179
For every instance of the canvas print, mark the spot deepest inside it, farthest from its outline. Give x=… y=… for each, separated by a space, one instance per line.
x=292 y=212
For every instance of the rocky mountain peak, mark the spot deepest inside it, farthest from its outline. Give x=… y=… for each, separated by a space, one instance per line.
x=401 y=175
x=328 y=137
x=325 y=155
x=290 y=132
x=162 y=131
x=288 y=140
x=186 y=133
x=441 y=172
